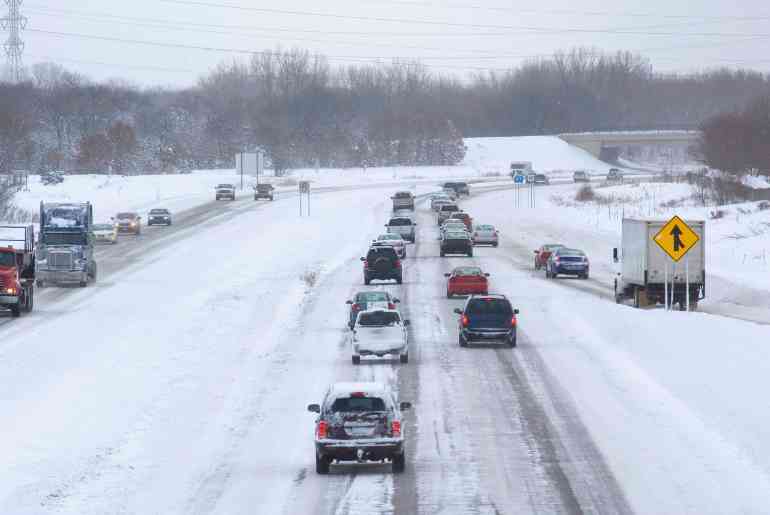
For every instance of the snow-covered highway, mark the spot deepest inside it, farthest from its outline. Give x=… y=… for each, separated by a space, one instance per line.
x=178 y=384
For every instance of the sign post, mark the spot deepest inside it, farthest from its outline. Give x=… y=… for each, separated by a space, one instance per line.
x=676 y=238
x=304 y=190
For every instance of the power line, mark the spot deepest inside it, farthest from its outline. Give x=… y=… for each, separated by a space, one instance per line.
x=526 y=28
x=14 y=23
x=50 y=58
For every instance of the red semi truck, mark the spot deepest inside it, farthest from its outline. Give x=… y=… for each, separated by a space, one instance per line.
x=17 y=268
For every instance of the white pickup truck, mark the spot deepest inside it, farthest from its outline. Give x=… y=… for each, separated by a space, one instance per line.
x=380 y=332
x=403 y=225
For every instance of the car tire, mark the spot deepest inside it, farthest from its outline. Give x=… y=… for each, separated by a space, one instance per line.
x=355 y=359
x=448 y=294
x=322 y=465
x=441 y=253
x=399 y=280
x=404 y=358
x=16 y=311
x=512 y=341
x=494 y=244
x=461 y=340
x=399 y=463
x=470 y=253
x=585 y=276
x=367 y=280
x=40 y=283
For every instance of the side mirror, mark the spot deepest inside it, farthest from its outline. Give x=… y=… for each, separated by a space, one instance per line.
x=363 y=259
x=407 y=323
x=515 y=311
x=458 y=311
x=405 y=406
x=385 y=225
x=486 y=275
x=314 y=408
x=348 y=302
x=447 y=275
x=534 y=251
x=396 y=301
x=615 y=255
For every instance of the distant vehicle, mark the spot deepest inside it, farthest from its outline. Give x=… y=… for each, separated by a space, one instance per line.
x=50 y=178
x=379 y=332
x=580 y=176
x=359 y=422
x=436 y=204
x=460 y=188
x=464 y=218
x=17 y=268
x=264 y=191
x=485 y=234
x=105 y=233
x=129 y=222
x=531 y=178
x=403 y=200
x=159 y=216
x=450 y=193
x=403 y=226
x=456 y=242
x=445 y=211
x=643 y=267
x=567 y=261
x=365 y=300
x=487 y=318
x=466 y=280
x=614 y=175
x=65 y=249
x=225 y=191
x=394 y=240
x=382 y=263
x=541 y=178
x=543 y=253
x=452 y=225
x=521 y=168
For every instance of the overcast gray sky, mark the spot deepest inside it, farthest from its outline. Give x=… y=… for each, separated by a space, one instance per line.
x=453 y=36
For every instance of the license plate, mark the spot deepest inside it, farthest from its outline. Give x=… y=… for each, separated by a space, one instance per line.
x=360 y=431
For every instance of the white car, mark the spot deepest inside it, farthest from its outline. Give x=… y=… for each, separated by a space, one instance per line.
x=394 y=240
x=379 y=332
x=105 y=233
x=453 y=225
x=485 y=234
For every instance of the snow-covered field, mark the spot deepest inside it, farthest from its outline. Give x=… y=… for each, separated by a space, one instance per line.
x=178 y=384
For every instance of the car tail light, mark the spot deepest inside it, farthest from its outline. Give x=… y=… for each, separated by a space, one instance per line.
x=322 y=429
x=513 y=321
x=398 y=263
x=396 y=428
x=391 y=305
x=356 y=307
x=465 y=320
x=358 y=394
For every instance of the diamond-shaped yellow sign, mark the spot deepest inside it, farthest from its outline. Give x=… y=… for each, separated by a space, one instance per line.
x=676 y=238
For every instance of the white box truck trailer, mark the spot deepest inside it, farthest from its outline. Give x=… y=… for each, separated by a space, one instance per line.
x=644 y=267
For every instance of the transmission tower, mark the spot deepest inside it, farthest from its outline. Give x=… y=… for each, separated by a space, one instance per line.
x=14 y=23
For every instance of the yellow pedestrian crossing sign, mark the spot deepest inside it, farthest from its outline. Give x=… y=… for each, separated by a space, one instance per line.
x=676 y=238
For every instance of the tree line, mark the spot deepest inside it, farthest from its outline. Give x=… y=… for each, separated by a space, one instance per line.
x=303 y=112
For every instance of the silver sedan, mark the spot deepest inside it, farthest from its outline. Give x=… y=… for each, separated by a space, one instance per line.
x=485 y=235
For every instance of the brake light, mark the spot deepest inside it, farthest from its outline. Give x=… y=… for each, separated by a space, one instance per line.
x=391 y=305
x=356 y=307
x=358 y=394
x=322 y=429
x=465 y=321
x=395 y=428
x=513 y=321
x=398 y=263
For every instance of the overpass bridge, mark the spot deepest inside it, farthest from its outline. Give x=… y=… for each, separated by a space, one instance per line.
x=606 y=145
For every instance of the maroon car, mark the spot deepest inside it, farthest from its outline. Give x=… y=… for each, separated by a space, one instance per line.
x=543 y=253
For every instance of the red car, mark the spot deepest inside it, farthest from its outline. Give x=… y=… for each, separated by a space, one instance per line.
x=467 y=280
x=543 y=253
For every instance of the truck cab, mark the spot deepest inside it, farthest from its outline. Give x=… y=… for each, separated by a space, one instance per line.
x=65 y=251
x=17 y=268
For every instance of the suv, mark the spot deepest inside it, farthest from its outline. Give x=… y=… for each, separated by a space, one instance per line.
x=402 y=225
x=129 y=223
x=263 y=191
x=487 y=318
x=614 y=175
x=567 y=261
x=225 y=191
x=460 y=188
x=359 y=422
x=445 y=211
x=159 y=216
x=382 y=263
x=541 y=178
x=403 y=200
x=364 y=300
x=456 y=242
x=379 y=332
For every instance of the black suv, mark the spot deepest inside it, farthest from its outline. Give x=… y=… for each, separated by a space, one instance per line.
x=487 y=318
x=460 y=188
x=263 y=191
x=456 y=242
x=159 y=216
x=382 y=263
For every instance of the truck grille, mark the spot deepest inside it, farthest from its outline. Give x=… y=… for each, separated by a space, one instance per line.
x=60 y=259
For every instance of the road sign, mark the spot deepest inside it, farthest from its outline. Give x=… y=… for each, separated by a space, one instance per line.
x=518 y=179
x=676 y=238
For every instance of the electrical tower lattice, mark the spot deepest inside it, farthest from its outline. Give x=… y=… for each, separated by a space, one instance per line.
x=14 y=23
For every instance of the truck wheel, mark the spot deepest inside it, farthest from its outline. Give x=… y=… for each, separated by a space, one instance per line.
x=367 y=280
x=356 y=359
x=636 y=298
x=15 y=311
x=83 y=284
x=29 y=300
x=512 y=341
x=448 y=294
x=399 y=463
x=321 y=464
x=461 y=340
x=399 y=280
x=40 y=283
x=404 y=358
x=470 y=253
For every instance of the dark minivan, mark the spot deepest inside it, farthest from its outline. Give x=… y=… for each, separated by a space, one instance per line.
x=382 y=263
x=487 y=318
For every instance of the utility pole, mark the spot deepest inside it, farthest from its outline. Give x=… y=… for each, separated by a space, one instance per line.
x=14 y=23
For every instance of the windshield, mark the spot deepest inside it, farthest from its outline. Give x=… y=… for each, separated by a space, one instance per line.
x=485 y=228
x=489 y=307
x=468 y=270
x=379 y=252
x=225 y=186
x=379 y=319
x=159 y=211
x=400 y=222
x=348 y=404
x=403 y=194
x=103 y=227
x=126 y=216
x=552 y=247
x=392 y=236
x=450 y=207
x=372 y=296
x=63 y=238
x=457 y=236
x=7 y=259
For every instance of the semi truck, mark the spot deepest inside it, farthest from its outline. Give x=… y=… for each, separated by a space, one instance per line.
x=17 y=268
x=647 y=274
x=65 y=250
